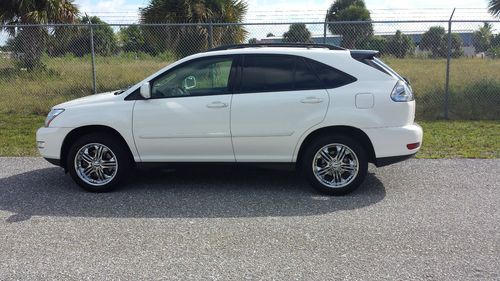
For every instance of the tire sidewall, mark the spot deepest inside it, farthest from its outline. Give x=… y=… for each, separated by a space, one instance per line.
x=316 y=145
x=115 y=146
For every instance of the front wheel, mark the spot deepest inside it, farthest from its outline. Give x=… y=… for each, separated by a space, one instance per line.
x=335 y=165
x=98 y=162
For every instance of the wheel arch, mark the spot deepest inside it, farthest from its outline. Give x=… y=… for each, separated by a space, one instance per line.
x=347 y=131
x=74 y=134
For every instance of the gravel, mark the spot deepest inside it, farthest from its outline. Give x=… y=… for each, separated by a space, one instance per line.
x=418 y=220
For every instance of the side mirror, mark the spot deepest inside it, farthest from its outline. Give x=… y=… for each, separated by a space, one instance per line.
x=145 y=90
x=189 y=82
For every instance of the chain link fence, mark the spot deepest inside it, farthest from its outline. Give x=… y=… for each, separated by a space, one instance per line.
x=42 y=65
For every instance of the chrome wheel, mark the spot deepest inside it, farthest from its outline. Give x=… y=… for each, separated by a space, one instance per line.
x=96 y=164
x=335 y=165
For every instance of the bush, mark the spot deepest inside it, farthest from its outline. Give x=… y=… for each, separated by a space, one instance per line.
x=400 y=45
x=478 y=100
x=494 y=52
x=377 y=43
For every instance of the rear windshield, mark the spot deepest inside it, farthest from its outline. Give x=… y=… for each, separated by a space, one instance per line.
x=380 y=65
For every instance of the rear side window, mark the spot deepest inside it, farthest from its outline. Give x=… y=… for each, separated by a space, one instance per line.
x=331 y=77
x=274 y=73
x=305 y=78
x=267 y=73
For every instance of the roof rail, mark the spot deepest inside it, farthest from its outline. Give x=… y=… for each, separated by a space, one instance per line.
x=290 y=45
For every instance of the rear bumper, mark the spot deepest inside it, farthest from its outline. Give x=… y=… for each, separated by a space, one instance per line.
x=384 y=161
x=390 y=144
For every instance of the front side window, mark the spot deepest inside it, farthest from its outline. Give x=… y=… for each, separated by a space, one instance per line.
x=207 y=76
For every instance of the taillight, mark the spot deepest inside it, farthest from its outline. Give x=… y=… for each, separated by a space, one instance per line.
x=402 y=92
x=412 y=146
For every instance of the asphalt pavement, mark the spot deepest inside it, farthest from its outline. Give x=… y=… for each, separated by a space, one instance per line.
x=416 y=220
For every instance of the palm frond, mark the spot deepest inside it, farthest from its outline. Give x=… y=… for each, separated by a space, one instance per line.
x=494 y=7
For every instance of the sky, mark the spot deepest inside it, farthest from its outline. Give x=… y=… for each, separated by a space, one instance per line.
x=120 y=11
x=274 y=11
x=267 y=11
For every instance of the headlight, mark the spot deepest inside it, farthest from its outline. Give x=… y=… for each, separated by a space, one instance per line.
x=402 y=92
x=52 y=115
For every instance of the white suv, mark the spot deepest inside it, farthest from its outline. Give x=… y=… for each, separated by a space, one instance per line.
x=328 y=110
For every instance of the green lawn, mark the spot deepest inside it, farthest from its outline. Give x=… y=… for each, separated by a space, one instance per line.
x=442 y=139
x=460 y=139
x=474 y=83
x=17 y=134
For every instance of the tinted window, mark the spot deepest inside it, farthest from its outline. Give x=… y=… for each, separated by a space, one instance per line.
x=304 y=77
x=331 y=77
x=267 y=73
x=207 y=76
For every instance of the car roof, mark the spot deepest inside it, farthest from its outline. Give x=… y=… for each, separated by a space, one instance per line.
x=287 y=45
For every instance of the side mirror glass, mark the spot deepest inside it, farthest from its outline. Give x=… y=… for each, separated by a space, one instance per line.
x=189 y=82
x=145 y=90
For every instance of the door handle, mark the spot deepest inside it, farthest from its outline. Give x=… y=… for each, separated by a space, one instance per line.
x=311 y=100
x=217 y=104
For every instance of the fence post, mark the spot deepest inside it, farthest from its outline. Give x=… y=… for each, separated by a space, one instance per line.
x=210 y=35
x=448 y=58
x=92 y=55
x=324 y=27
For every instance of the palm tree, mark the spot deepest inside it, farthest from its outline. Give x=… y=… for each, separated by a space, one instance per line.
x=32 y=40
x=494 y=7
x=185 y=40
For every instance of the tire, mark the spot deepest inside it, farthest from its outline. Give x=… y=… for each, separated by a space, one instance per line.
x=335 y=177
x=94 y=171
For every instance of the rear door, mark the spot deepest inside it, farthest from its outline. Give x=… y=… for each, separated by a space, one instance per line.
x=278 y=99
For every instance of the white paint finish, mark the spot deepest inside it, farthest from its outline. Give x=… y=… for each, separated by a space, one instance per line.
x=365 y=100
x=183 y=129
x=103 y=109
x=53 y=139
x=392 y=141
x=266 y=126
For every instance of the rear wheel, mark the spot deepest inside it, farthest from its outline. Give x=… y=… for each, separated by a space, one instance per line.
x=98 y=162
x=335 y=165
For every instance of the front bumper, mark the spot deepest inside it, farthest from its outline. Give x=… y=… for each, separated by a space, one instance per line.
x=391 y=143
x=49 y=142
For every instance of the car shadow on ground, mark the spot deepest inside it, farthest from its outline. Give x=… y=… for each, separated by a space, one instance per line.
x=188 y=192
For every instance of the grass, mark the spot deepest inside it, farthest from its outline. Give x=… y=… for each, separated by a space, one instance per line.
x=474 y=83
x=25 y=98
x=442 y=139
x=67 y=78
x=474 y=86
x=460 y=139
x=17 y=134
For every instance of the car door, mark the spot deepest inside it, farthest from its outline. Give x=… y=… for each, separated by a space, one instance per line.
x=187 y=117
x=277 y=100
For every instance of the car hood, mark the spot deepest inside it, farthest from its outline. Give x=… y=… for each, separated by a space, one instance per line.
x=98 y=98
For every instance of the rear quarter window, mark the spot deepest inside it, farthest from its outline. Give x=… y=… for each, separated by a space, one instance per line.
x=329 y=76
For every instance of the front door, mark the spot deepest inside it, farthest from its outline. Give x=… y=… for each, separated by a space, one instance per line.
x=187 y=117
